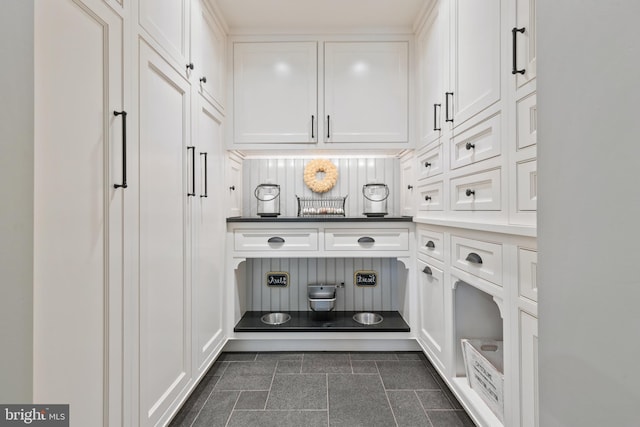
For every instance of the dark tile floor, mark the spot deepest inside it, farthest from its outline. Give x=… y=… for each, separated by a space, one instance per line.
x=322 y=389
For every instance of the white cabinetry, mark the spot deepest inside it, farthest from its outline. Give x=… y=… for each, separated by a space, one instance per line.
x=278 y=87
x=164 y=274
x=366 y=91
x=79 y=235
x=209 y=53
x=233 y=183
x=167 y=22
x=275 y=92
x=432 y=294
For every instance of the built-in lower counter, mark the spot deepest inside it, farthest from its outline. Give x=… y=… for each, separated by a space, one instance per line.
x=309 y=321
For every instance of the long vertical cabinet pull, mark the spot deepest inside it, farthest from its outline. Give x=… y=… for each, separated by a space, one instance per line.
x=192 y=193
x=328 y=127
x=514 y=33
x=206 y=178
x=313 y=119
x=124 y=148
x=435 y=117
x=446 y=107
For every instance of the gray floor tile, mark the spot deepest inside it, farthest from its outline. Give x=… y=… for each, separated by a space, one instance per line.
x=280 y=356
x=452 y=399
x=192 y=406
x=358 y=400
x=289 y=367
x=406 y=375
x=237 y=357
x=326 y=363
x=217 y=369
x=434 y=399
x=409 y=356
x=247 y=376
x=298 y=391
x=252 y=400
x=278 y=419
x=450 y=419
x=373 y=356
x=216 y=409
x=407 y=409
x=364 y=367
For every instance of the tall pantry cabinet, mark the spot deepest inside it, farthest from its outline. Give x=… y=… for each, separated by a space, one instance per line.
x=476 y=197
x=128 y=157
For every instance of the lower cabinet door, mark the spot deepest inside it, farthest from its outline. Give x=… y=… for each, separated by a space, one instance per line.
x=528 y=370
x=432 y=310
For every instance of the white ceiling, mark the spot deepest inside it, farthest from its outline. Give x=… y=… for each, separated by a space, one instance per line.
x=310 y=16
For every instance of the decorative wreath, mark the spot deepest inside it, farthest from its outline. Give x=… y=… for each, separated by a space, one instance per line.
x=327 y=182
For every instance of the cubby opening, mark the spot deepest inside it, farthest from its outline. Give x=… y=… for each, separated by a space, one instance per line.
x=389 y=297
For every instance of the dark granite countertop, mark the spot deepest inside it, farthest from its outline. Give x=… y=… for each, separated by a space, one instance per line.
x=326 y=218
x=333 y=321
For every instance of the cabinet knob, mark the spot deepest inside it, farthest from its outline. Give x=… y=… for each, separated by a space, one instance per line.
x=232 y=188
x=427 y=198
x=203 y=80
x=427 y=270
x=474 y=258
x=409 y=187
x=430 y=244
x=366 y=240
x=190 y=66
x=469 y=146
x=275 y=240
x=427 y=164
x=470 y=192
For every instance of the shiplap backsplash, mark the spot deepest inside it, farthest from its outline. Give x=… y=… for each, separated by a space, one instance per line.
x=353 y=173
x=388 y=294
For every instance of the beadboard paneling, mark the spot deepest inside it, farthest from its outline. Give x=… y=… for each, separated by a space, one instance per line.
x=353 y=173
x=385 y=296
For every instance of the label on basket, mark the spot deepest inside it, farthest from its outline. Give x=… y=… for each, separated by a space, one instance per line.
x=365 y=278
x=277 y=279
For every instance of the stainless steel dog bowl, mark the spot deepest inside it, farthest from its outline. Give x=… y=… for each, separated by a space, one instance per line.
x=368 y=318
x=275 y=318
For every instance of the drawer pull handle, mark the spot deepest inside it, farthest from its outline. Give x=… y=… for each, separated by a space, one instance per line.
x=427 y=270
x=430 y=244
x=124 y=148
x=427 y=198
x=366 y=240
x=275 y=240
x=514 y=68
x=427 y=164
x=474 y=258
x=469 y=146
x=192 y=193
x=435 y=117
x=470 y=192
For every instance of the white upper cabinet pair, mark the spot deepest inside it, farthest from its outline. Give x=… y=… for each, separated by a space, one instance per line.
x=190 y=37
x=278 y=88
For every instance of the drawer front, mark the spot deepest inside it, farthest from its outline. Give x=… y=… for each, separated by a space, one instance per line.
x=479 y=192
x=367 y=240
x=527 y=272
x=276 y=240
x=480 y=142
x=527 y=177
x=482 y=259
x=431 y=243
x=430 y=163
x=430 y=197
x=527 y=121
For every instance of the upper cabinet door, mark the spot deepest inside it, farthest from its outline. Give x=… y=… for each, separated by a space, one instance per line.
x=167 y=22
x=432 y=64
x=366 y=92
x=475 y=57
x=209 y=54
x=525 y=41
x=275 y=92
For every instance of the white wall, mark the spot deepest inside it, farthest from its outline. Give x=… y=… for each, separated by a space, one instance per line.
x=589 y=212
x=16 y=201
